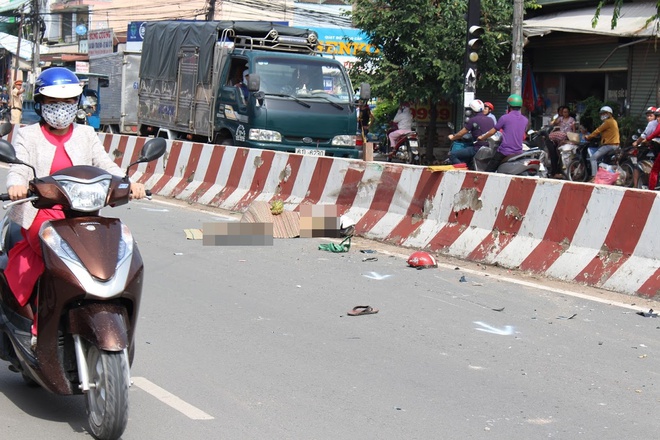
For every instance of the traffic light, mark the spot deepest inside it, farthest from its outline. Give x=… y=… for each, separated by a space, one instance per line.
x=474 y=42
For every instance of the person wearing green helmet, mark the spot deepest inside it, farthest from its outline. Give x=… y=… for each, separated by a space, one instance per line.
x=513 y=126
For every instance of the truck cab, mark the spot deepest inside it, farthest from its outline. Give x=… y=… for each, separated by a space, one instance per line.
x=247 y=84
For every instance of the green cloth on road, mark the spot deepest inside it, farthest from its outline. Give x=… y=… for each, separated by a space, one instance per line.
x=334 y=247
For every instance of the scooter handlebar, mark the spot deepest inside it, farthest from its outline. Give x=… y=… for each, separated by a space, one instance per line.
x=4 y=197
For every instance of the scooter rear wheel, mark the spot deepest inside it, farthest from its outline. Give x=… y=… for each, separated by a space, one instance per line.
x=577 y=171
x=107 y=399
x=626 y=171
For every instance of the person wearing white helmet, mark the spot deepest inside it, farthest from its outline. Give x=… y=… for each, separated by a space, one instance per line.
x=609 y=137
x=651 y=125
x=52 y=144
x=477 y=125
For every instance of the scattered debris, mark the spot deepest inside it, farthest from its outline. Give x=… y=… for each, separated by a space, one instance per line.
x=368 y=251
x=498 y=310
x=570 y=317
x=376 y=276
x=477 y=284
x=370 y=259
x=362 y=310
x=193 y=234
x=463 y=279
x=649 y=314
x=178 y=253
x=344 y=246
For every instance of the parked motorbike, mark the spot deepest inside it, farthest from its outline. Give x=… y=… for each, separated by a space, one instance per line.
x=406 y=149
x=528 y=163
x=87 y=300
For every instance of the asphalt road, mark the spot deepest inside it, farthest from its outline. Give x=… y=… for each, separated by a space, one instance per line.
x=255 y=343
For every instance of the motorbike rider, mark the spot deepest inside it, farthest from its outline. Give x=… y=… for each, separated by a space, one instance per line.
x=653 y=175
x=513 y=126
x=488 y=111
x=403 y=122
x=52 y=144
x=477 y=125
x=609 y=137
x=651 y=125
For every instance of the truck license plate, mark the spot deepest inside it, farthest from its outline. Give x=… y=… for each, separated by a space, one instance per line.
x=413 y=143
x=310 y=151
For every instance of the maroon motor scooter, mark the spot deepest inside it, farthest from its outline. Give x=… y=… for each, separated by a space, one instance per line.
x=87 y=300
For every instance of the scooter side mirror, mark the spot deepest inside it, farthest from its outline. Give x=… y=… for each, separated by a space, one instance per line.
x=6 y=128
x=7 y=153
x=152 y=150
x=450 y=125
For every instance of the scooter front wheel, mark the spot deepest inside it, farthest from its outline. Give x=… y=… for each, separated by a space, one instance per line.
x=577 y=171
x=107 y=398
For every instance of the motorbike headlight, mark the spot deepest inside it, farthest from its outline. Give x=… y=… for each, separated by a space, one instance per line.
x=257 y=134
x=344 y=140
x=86 y=195
x=80 y=114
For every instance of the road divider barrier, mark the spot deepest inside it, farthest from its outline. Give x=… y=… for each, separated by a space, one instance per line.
x=603 y=236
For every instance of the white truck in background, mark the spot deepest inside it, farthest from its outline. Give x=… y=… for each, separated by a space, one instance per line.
x=118 y=94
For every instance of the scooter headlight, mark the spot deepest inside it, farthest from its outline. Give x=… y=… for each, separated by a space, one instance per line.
x=54 y=241
x=85 y=195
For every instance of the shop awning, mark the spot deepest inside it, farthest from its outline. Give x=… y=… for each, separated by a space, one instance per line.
x=631 y=22
x=10 y=5
x=10 y=43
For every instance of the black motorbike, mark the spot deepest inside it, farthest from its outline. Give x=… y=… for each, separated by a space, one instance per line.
x=579 y=169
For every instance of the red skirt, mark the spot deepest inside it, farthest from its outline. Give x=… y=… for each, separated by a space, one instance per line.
x=25 y=264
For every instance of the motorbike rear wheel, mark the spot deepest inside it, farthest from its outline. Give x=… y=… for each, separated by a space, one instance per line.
x=626 y=173
x=577 y=171
x=107 y=399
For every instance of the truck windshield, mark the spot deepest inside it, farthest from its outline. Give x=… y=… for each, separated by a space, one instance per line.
x=304 y=79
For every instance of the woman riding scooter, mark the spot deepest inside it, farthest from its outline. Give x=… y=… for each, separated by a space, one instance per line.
x=52 y=144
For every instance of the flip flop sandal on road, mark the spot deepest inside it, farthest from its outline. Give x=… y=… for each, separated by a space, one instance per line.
x=362 y=310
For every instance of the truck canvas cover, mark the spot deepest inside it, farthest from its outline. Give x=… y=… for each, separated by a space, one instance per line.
x=160 y=62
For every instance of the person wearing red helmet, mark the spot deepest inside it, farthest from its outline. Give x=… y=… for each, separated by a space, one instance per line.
x=653 y=175
x=488 y=111
x=52 y=144
x=651 y=125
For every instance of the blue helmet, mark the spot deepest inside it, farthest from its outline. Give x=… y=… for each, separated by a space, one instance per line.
x=57 y=82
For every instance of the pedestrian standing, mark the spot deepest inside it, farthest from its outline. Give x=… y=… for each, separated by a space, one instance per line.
x=16 y=102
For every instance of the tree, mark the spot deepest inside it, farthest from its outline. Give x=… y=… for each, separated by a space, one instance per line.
x=422 y=50
x=618 y=4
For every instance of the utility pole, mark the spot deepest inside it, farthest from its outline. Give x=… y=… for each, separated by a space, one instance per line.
x=517 y=47
x=18 y=48
x=472 y=46
x=36 y=32
x=210 y=14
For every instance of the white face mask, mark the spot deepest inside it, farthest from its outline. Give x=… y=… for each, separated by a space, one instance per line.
x=59 y=115
x=603 y=117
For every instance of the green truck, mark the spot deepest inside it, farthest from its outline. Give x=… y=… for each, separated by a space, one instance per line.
x=296 y=100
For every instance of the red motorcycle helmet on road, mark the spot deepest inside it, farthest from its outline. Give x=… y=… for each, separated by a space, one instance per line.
x=422 y=260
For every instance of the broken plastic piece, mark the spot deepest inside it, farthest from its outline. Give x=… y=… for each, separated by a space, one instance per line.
x=462 y=279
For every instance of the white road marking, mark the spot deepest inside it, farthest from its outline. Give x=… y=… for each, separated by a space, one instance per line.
x=170 y=399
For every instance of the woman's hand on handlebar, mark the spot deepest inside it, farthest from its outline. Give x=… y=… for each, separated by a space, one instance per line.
x=137 y=190
x=17 y=192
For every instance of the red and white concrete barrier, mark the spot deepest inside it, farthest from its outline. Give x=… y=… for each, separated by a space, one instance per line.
x=598 y=235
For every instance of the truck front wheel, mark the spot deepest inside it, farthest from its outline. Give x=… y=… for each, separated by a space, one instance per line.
x=224 y=139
